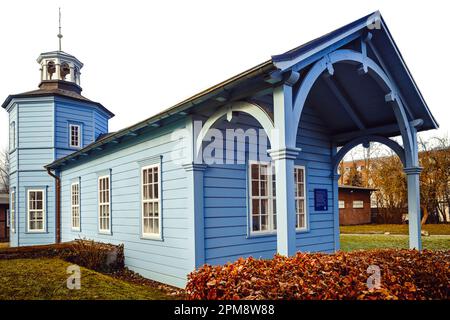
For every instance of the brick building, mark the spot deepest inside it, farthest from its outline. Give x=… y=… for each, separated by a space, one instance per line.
x=354 y=205
x=4 y=225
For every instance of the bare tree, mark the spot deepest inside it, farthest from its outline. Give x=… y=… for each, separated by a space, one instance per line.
x=4 y=171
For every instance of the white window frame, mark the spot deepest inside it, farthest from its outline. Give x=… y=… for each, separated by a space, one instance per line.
x=151 y=201
x=44 y=213
x=12 y=136
x=78 y=145
x=12 y=212
x=102 y=204
x=299 y=198
x=270 y=198
x=341 y=204
x=75 y=205
x=358 y=206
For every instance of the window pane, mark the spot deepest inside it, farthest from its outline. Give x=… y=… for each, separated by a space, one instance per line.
x=255 y=206
x=255 y=171
x=264 y=188
x=255 y=188
x=274 y=221
x=146 y=226
x=156 y=226
x=155 y=190
x=264 y=206
x=255 y=219
x=144 y=176
x=264 y=222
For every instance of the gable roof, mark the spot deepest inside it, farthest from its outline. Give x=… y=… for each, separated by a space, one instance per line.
x=280 y=63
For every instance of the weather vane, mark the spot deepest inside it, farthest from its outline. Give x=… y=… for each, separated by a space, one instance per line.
x=59 y=34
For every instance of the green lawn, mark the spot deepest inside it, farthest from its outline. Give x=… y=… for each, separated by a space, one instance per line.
x=433 y=229
x=46 y=279
x=351 y=242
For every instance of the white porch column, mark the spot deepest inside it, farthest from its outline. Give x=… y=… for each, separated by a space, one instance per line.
x=337 y=242
x=285 y=198
x=194 y=182
x=414 y=218
x=412 y=171
x=194 y=175
x=283 y=153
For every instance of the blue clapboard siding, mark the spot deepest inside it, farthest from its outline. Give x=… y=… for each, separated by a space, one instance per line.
x=166 y=261
x=226 y=198
x=100 y=123
x=314 y=140
x=35 y=148
x=42 y=134
x=13 y=177
x=36 y=124
x=93 y=122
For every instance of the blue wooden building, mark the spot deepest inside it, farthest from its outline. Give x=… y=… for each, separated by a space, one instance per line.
x=245 y=168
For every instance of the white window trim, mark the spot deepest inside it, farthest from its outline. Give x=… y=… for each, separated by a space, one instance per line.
x=12 y=212
x=305 y=199
x=341 y=202
x=44 y=211
x=72 y=206
x=270 y=198
x=157 y=236
x=79 y=135
x=104 y=231
x=358 y=207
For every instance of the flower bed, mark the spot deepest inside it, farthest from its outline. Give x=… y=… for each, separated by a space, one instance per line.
x=404 y=274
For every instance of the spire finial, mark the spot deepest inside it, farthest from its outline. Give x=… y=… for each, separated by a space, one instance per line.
x=59 y=34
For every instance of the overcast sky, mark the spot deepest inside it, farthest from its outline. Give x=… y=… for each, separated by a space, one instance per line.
x=141 y=57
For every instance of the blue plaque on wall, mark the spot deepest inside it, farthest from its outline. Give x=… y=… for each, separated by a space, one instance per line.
x=320 y=199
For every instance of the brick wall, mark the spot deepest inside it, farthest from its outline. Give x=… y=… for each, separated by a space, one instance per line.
x=350 y=215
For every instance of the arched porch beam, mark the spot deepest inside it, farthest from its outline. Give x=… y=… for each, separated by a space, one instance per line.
x=398 y=149
x=375 y=71
x=252 y=109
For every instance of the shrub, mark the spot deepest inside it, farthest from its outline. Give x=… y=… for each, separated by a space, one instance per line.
x=97 y=256
x=405 y=274
x=101 y=257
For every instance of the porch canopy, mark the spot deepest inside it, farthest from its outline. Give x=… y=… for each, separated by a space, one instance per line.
x=356 y=79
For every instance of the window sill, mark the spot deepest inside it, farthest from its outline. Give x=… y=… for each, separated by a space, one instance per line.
x=261 y=234
x=273 y=233
x=105 y=233
x=75 y=230
x=36 y=232
x=152 y=237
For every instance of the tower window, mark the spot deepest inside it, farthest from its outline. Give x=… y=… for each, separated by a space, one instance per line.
x=75 y=136
x=12 y=136
x=36 y=211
